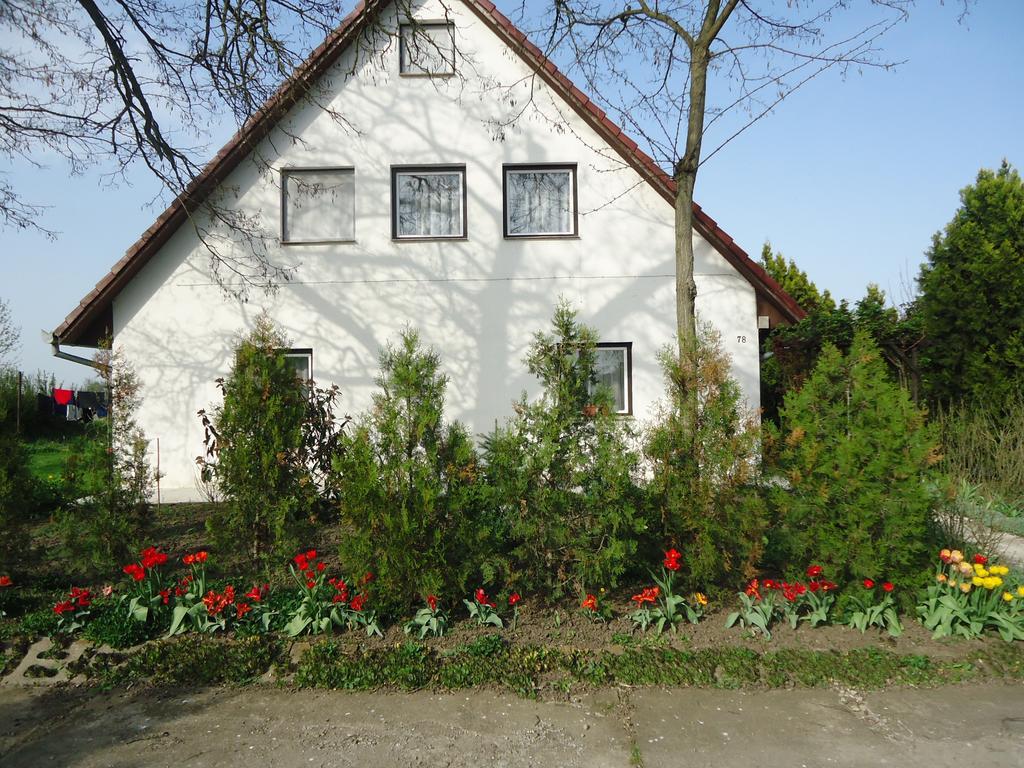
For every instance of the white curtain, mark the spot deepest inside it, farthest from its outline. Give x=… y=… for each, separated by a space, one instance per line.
x=429 y=204
x=539 y=202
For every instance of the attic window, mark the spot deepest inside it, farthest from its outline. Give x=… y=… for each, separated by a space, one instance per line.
x=318 y=205
x=427 y=48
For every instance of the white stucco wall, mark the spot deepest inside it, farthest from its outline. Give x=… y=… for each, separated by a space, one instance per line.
x=477 y=301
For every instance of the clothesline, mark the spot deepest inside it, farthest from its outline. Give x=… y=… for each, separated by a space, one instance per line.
x=81 y=405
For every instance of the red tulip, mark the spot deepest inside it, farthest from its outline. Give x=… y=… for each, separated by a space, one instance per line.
x=869 y=584
x=671 y=561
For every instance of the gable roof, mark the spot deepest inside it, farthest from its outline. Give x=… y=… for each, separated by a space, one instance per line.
x=92 y=318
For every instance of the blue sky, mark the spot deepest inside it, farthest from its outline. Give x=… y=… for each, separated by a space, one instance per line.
x=849 y=177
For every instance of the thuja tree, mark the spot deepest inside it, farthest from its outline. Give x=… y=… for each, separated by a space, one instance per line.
x=407 y=483
x=256 y=449
x=109 y=476
x=563 y=473
x=706 y=497
x=854 y=452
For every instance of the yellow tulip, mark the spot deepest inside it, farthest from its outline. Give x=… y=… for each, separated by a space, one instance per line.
x=977 y=581
x=979 y=570
x=952 y=582
x=965 y=587
x=999 y=570
x=1020 y=591
x=1007 y=596
x=701 y=598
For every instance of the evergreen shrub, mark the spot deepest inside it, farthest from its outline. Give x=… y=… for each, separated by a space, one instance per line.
x=407 y=485
x=704 y=484
x=854 y=456
x=563 y=473
x=268 y=449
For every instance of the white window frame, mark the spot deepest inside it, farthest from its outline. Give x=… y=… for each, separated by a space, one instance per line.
x=287 y=173
x=408 y=68
x=428 y=170
x=305 y=354
x=626 y=347
x=520 y=169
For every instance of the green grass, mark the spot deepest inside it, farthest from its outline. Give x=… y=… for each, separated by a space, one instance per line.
x=46 y=458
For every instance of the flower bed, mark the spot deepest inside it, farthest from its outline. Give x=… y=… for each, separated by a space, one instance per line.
x=969 y=598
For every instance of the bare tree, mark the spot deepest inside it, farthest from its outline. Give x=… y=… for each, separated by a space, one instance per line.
x=670 y=70
x=651 y=62
x=118 y=83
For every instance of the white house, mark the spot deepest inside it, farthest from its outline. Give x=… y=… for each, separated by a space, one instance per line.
x=443 y=175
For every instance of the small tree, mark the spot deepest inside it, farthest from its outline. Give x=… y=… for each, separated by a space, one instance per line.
x=255 y=449
x=564 y=475
x=408 y=484
x=705 y=496
x=854 y=451
x=10 y=334
x=109 y=477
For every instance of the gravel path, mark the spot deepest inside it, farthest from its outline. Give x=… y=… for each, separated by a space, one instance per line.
x=263 y=726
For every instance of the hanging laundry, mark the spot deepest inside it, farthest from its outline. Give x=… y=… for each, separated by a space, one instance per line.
x=63 y=396
x=74 y=412
x=87 y=400
x=44 y=405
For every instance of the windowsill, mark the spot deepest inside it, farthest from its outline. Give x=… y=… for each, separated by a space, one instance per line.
x=317 y=242
x=542 y=237
x=441 y=75
x=443 y=238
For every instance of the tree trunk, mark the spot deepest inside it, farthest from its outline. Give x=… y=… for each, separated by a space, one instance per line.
x=686 y=286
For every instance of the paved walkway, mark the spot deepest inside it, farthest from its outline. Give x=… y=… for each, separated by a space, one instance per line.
x=263 y=726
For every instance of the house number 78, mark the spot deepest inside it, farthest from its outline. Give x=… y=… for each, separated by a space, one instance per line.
x=741 y=339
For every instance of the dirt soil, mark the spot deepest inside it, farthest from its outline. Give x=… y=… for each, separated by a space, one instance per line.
x=227 y=727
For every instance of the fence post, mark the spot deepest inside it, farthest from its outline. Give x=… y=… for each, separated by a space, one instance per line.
x=17 y=417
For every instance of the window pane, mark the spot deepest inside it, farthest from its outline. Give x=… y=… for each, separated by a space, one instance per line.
x=300 y=362
x=428 y=49
x=319 y=205
x=429 y=204
x=610 y=371
x=539 y=202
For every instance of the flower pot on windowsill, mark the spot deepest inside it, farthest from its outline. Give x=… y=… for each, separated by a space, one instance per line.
x=590 y=410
